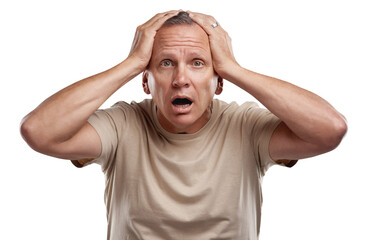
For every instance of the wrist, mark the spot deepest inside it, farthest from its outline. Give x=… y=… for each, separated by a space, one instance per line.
x=131 y=67
x=231 y=73
x=137 y=63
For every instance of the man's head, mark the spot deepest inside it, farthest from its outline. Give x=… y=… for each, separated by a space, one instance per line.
x=180 y=76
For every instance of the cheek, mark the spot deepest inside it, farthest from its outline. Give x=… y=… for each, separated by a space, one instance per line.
x=156 y=89
x=210 y=86
x=207 y=90
x=213 y=84
x=154 y=85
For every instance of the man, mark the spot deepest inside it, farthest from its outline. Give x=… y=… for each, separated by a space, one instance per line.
x=183 y=165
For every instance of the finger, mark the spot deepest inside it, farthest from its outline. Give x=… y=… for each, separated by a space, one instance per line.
x=160 y=18
x=160 y=21
x=205 y=21
x=144 y=35
x=159 y=15
x=153 y=25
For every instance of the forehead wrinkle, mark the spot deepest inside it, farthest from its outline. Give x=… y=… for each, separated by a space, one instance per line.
x=189 y=42
x=183 y=31
x=176 y=52
x=185 y=48
x=190 y=39
x=169 y=47
x=182 y=38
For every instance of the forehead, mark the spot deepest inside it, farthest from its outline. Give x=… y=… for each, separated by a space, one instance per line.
x=183 y=36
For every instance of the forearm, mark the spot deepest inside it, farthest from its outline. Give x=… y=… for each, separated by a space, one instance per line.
x=63 y=114
x=311 y=126
x=58 y=126
x=309 y=116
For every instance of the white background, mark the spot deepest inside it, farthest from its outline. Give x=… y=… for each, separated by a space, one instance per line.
x=47 y=45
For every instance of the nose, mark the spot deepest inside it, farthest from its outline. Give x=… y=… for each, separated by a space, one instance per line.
x=180 y=79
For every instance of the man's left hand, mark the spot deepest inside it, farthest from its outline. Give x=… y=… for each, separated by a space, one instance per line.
x=220 y=43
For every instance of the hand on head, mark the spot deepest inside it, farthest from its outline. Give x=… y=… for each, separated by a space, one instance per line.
x=180 y=75
x=220 y=41
x=142 y=45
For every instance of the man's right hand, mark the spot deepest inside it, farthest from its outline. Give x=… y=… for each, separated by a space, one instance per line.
x=59 y=126
x=143 y=42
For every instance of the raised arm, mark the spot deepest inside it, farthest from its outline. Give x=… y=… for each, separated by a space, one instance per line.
x=58 y=126
x=310 y=125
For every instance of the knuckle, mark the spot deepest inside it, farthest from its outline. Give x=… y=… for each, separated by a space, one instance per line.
x=211 y=18
x=146 y=33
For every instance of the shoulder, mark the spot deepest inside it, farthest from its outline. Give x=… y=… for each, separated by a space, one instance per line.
x=235 y=109
x=248 y=114
x=119 y=116
x=126 y=110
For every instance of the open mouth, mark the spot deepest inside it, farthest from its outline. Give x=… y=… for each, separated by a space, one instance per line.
x=182 y=102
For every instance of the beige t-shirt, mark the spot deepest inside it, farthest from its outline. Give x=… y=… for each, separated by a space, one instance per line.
x=205 y=185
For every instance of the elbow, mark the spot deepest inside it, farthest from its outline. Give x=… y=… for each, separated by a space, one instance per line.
x=31 y=135
x=337 y=131
x=27 y=131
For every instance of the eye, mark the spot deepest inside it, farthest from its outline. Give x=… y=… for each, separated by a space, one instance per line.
x=197 y=63
x=166 y=63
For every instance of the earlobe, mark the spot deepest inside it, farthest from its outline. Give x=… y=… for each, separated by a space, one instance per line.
x=145 y=83
x=220 y=85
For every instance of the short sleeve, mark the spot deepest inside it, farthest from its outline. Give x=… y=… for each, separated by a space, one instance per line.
x=261 y=124
x=109 y=124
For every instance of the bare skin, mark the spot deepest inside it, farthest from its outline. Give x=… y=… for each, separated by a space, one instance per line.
x=58 y=127
x=310 y=126
x=181 y=67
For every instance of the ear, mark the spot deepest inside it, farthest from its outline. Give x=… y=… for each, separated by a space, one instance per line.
x=220 y=85
x=145 y=83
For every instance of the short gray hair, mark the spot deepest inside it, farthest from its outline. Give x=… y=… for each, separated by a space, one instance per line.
x=181 y=18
